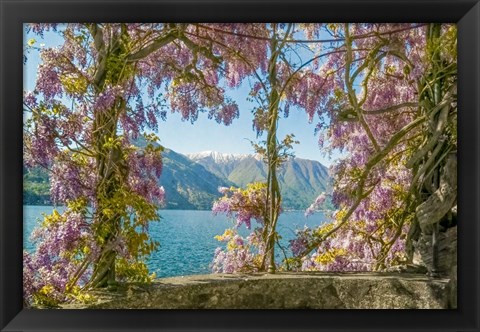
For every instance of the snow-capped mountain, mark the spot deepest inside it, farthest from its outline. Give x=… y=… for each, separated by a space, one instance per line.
x=217 y=157
x=300 y=179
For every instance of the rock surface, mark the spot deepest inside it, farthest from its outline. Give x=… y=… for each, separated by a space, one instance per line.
x=282 y=291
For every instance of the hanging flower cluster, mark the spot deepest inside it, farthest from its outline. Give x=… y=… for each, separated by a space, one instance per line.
x=243 y=206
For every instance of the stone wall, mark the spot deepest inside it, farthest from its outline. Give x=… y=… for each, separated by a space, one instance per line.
x=447 y=257
x=283 y=291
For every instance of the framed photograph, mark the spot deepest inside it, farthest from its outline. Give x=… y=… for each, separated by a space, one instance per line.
x=242 y=156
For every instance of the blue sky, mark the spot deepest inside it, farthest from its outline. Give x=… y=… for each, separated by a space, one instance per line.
x=206 y=134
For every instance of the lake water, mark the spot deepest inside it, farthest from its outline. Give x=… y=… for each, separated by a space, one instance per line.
x=186 y=238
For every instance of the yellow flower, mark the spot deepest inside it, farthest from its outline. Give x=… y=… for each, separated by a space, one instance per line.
x=228 y=234
x=47 y=289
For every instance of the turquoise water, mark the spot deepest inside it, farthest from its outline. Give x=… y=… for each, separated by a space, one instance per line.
x=186 y=238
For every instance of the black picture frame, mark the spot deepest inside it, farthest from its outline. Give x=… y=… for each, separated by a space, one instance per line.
x=466 y=13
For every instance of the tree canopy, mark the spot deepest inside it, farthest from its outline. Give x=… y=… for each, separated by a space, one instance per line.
x=384 y=94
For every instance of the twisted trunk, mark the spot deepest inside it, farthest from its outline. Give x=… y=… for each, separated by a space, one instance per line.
x=273 y=190
x=111 y=173
x=434 y=164
x=441 y=201
x=111 y=169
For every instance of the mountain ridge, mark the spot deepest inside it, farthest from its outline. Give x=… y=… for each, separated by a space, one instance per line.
x=301 y=180
x=191 y=181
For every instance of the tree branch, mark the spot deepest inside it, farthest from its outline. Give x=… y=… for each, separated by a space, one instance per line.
x=391 y=108
x=360 y=195
x=154 y=46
